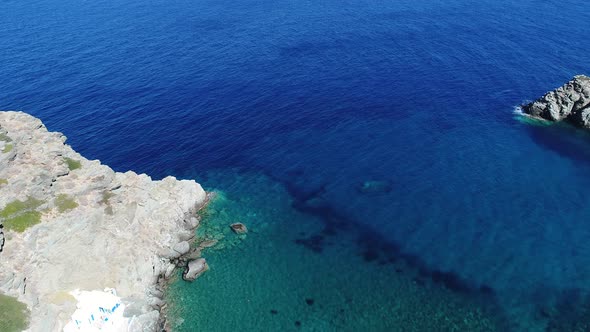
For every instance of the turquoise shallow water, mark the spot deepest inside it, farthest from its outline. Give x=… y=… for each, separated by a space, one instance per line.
x=316 y=98
x=268 y=281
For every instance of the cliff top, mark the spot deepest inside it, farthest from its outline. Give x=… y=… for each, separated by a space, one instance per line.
x=72 y=223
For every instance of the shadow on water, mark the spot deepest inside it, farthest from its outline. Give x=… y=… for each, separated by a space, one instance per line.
x=374 y=248
x=564 y=139
x=570 y=313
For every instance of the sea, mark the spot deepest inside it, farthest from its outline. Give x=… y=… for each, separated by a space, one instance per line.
x=373 y=149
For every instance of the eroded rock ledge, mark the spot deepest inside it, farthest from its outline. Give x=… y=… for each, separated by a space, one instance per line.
x=72 y=223
x=570 y=102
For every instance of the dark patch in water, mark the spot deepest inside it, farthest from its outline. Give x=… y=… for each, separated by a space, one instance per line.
x=370 y=255
x=451 y=281
x=571 y=312
x=295 y=172
x=314 y=243
x=563 y=139
x=273 y=311
x=309 y=301
x=297 y=323
x=419 y=281
x=329 y=231
x=374 y=246
x=486 y=289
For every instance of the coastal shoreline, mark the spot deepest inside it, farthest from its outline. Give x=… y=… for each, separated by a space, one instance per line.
x=74 y=224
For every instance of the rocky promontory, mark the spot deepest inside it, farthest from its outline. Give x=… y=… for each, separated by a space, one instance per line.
x=570 y=102
x=74 y=225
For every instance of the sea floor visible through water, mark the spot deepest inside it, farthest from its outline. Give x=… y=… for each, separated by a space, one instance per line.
x=293 y=272
x=287 y=108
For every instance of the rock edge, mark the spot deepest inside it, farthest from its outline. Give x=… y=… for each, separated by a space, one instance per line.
x=570 y=102
x=117 y=230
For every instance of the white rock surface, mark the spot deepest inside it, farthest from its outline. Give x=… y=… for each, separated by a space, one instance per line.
x=114 y=238
x=194 y=269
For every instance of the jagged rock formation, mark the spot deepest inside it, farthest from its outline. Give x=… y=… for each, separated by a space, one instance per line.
x=72 y=223
x=570 y=102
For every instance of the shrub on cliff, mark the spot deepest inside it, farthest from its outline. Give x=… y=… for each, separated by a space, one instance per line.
x=18 y=215
x=13 y=314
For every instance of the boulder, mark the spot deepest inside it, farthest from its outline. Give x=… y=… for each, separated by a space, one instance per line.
x=182 y=247
x=192 y=223
x=570 y=102
x=169 y=271
x=239 y=228
x=194 y=269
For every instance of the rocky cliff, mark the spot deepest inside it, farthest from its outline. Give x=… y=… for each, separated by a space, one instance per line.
x=570 y=102
x=72 y=223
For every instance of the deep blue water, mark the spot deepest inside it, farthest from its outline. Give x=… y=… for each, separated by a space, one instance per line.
x=318 y=97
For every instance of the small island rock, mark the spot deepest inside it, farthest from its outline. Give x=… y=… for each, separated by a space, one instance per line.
x=570 y=102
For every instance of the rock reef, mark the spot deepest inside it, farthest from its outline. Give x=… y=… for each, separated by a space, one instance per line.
x=72 y=223
x=570 y=102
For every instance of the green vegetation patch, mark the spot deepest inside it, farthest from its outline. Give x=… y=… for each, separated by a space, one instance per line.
x=106 y=200
x=18 y=215
x=3 y=181
x=65 y=203
x=7 y=148
x=73 y=163
x=14 y=315
x=5 y=138
x=106 y=196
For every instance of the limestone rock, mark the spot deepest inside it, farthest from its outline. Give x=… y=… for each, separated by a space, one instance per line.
x=192 y=223
x=96 y=228
x=570 y=102
x=182 y=247
x=194 y=269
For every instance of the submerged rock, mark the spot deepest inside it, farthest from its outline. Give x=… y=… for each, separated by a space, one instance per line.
x=239 y=228
x=375 y=187
x=570 y=102
x=194 y=269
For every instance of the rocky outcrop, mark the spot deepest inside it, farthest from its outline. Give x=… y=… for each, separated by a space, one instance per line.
x=72 y=223
x=570 y=102
x=194 y=269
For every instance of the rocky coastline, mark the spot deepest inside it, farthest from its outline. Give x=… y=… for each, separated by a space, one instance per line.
x=70 y=224
x=570 y=103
